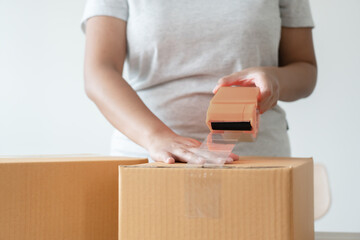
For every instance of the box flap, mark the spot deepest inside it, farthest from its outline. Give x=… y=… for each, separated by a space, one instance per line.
x=244 y=162
x=67 y=158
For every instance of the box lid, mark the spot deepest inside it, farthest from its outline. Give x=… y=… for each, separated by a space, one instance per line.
x=243 y=162
x=66 y=158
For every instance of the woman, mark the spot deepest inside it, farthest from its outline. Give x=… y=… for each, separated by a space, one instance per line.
x=177 y=53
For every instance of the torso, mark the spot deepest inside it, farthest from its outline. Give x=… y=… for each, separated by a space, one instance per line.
x=177 y=50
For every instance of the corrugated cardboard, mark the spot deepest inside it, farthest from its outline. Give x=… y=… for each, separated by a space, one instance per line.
x=60 y=197
x=252 y=199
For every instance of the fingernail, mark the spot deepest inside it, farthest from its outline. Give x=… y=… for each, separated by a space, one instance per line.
x=220 y=160
x=201 y=161
x=229 y=160
x=215 y=89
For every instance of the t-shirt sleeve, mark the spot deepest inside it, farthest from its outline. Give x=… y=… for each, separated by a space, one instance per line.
x=112 y=8
x=296 y=13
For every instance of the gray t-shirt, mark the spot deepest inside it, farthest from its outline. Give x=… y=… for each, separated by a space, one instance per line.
x=178 y=49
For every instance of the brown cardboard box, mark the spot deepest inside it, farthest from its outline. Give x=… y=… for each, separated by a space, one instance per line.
x=252 y=199
x=60 y=197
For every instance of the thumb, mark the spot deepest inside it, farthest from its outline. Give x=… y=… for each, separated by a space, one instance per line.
x=168 y=158
x=163 y=156
x=239 y=78
x=234 y=156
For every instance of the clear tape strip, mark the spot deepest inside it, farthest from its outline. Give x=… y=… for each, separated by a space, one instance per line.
x=216 y=148
x=202 y=193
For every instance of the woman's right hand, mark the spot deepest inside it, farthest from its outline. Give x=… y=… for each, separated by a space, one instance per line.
x=172 y=147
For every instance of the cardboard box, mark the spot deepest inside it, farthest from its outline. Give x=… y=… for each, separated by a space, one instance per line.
x=252 y=199
x=60 y=197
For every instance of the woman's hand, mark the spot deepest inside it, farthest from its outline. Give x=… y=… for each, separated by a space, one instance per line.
x=172 y=147
x=295 y=78
x=261 y=77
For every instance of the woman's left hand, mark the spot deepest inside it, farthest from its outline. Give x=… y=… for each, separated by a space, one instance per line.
x=262 y=77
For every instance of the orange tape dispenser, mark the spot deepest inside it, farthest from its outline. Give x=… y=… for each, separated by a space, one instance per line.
x=233 y=114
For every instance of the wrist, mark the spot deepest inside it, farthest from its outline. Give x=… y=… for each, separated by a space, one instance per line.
x=277 y=77
x=274 y=75
x=157 y=134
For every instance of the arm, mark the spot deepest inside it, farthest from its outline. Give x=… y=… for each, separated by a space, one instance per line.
x=295 y=77
x=104 y=58
x=298 y=69
x=119 y=103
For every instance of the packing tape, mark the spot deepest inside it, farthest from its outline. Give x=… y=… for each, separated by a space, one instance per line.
x=202 y=187
x=202 y=193
x=216 y=148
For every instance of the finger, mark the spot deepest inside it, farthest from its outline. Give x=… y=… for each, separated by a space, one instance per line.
x=272 y=102
x=184 y=155
x=263 y=106
x=265 y=99
x=268 y=104
x=165 y=157
x=190 y=142
x=220 y=160
x=234 y=79
x=234 y=156
x=211 y=157
x=169 y=159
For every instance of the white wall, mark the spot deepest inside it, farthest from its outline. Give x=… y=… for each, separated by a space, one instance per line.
x=43 y=108
x=326 y=125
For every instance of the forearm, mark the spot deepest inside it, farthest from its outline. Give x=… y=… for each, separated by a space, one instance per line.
x=296 y=80
x=120 y=104
x=298 y=68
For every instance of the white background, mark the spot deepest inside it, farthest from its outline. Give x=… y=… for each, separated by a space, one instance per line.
x=44 y=110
